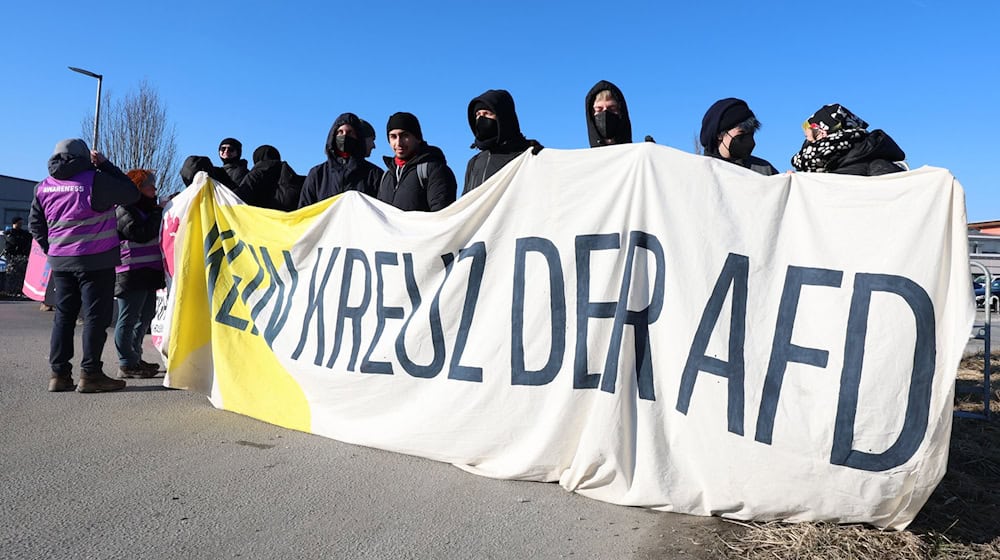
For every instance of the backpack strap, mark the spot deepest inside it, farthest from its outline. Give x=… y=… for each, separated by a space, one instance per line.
x=422 y=174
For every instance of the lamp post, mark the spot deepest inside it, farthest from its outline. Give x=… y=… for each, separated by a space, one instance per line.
x=97 y=111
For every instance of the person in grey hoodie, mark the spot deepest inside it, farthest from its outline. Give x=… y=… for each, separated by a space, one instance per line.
x=73 y=220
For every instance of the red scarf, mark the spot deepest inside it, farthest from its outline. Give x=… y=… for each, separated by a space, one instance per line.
x=399 y=162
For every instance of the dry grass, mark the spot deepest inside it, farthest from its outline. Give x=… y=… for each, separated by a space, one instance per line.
x=970 y=377
x=961 y=520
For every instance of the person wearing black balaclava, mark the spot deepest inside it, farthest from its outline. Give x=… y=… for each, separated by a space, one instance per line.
x=345 y=168
x=727 y=132
x=607 y=115
x=498 y=136
x=231 y=152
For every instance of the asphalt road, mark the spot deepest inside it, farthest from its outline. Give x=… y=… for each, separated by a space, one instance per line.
x=156 y=473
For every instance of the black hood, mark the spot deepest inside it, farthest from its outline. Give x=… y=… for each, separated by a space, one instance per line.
x=877 y=145
x=331 y=138
x=65 y=165
x=193 y=164
x=624 y=136
x=266 y=153
x=509 y=137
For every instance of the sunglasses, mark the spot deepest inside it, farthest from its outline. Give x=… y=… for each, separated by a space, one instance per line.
x=226 y=149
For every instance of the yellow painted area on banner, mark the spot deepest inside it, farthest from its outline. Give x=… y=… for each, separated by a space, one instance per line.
x=191 y=324
x=247 y=374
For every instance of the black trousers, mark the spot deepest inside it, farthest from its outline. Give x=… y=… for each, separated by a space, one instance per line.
x=89 y=295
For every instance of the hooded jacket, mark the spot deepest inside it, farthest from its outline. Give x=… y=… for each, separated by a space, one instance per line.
x=340 y=174
x=498 y=151
x=193 y=164
x=712 y=126
x=624 y=133
x=110 y=187
x=875 y=155
x=236 y=170
x=264 y=187
x=401 y=185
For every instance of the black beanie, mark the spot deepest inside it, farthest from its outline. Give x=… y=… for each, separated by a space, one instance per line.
x=723 y=115
x=404 y=121
x=232 y=142
x=734 y=115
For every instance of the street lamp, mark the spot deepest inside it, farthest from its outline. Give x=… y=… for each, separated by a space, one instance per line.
x=97 y=111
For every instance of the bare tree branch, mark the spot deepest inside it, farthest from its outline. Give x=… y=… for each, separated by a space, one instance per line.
x=135 y=134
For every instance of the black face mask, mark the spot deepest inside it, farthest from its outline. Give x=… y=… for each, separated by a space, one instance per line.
x=740 y=147
x=608 y=124
x=347 y=144
x=486 y=128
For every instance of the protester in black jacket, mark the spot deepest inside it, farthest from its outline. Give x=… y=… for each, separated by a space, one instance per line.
x=837 y=141
x=345 y=168
x=271 y=183
x=419 y=177
x=230 y=152
x=494 y=124
x=727 y=131
x=193 y=164
x=607 y=115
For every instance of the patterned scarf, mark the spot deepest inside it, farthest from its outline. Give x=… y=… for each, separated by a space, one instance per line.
x=816 y=156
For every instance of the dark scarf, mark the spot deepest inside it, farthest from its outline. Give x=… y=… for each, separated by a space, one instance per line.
x=817 y=156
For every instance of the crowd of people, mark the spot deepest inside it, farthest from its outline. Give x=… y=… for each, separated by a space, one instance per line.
x=417 y=176
x=100 y=226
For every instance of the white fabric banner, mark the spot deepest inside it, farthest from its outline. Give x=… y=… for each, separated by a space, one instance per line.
x=644 y=326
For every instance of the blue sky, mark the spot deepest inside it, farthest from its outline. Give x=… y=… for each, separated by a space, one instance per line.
x=926 y=71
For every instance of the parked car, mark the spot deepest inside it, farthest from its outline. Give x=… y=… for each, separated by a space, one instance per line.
x=994 y=295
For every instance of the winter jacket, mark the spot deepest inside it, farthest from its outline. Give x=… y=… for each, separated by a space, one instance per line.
x=109 y=187
x=753 y=163
x=236 y=170
x=401 y=186
x=289 y=188
x=260 y=185
x=875 y=155
x=193 y=164
x=499 y=150
x=138 y=226
x=339 y=174
x=624 y=134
